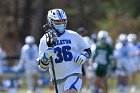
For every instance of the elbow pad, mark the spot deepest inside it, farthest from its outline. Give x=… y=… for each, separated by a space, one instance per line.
x=87 y=53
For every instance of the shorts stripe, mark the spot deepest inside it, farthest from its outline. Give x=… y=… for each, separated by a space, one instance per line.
x=73 y=85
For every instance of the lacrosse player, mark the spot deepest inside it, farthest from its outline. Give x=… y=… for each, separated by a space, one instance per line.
x=29 y=53
x=134 y=61
x=122 y=55
x=102 y=60
x=68 y=51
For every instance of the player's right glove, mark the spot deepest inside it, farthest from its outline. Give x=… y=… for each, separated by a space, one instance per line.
x=50 y=38
x=45 y=60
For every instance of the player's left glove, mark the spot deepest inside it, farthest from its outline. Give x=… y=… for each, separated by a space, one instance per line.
x=81 y=59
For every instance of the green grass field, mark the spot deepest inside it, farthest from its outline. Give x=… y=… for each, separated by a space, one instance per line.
x=50 y=91
x=46 y=91
x=112 y=86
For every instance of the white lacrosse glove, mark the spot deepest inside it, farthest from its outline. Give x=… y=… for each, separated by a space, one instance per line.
x=81 y=59
x=45 y=60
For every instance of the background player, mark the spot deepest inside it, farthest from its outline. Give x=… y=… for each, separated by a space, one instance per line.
x=132 y=40
x=29 y=53
x=122 y=55
x=101 y=59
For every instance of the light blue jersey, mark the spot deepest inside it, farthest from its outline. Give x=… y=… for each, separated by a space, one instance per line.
x=29 y=55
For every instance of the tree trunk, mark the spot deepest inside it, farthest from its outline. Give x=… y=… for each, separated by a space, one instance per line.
x=26 y=18
x=39 y=19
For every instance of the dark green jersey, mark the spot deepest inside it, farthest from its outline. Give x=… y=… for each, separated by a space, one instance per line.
x=103 y=52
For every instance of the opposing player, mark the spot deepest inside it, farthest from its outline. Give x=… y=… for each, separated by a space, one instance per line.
x=29 y=54
x=102 y=59
x=68 y=52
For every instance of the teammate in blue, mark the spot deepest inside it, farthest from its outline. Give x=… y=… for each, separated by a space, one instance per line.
x=122 y=54
x=134 y=60
x=69 y=51
x=29 y=53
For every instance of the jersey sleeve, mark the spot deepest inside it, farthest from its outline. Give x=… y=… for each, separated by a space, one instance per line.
x=81 y=43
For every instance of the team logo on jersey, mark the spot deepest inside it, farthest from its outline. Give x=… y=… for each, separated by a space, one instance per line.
x=64 y=41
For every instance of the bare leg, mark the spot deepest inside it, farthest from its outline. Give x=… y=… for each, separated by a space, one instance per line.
x=134 y=78
x=97 y=82
x=105 y=85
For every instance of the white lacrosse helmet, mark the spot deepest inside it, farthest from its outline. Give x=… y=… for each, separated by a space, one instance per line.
x=132 y=38
x=122 y=38
x=57 y=20
x=102 y=34
x=29 y=40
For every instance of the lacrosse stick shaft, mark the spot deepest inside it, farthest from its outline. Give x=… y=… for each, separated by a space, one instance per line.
x=46 y=27
x=54 y=77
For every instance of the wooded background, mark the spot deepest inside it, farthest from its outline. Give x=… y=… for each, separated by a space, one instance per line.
x=19 y=18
